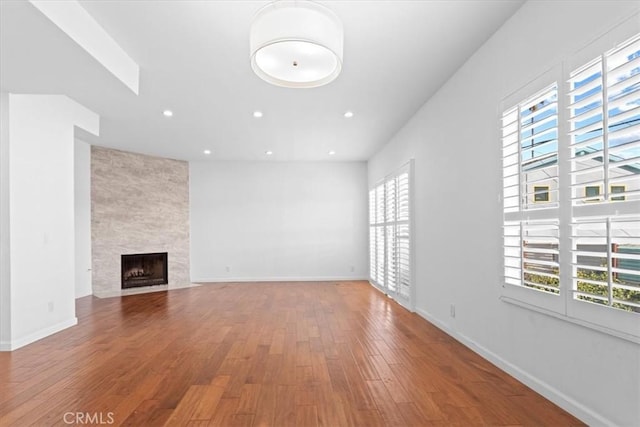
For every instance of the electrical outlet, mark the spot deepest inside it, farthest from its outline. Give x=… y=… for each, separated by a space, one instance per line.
x=50 y=306
x=353 y=269
x=452 y=310
x=228 y=268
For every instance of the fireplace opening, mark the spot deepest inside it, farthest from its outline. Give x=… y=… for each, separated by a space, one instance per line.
x=144 y=270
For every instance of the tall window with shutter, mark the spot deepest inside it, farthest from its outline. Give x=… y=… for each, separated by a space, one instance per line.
x=390 y=236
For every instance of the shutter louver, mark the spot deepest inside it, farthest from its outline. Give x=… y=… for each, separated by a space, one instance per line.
x=391 y=210
x=604 y=118
x=605 y=127
x=380 y=244
x=538 y=136
x=540 y=255
x=403 y=236
x=606 y=261
x=372 y=234
x=530 y=192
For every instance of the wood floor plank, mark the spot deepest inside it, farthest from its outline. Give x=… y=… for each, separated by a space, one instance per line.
x=205 y=409
x=326 y=354
x=331 y=411
x=389 y=379
x=187 y=406
x=360 y=393
x=249 y=399
x=225 y=414
x=306 y=416
x=384 y=401
x=265 y=406
x=366 y=367
x=285 y=411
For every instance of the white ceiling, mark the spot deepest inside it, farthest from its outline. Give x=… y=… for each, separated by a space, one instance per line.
x=194 y=60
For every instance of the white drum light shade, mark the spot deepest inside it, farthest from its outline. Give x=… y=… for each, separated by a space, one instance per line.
x=297 y=44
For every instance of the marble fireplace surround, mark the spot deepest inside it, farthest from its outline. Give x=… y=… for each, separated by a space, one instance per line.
x=139 y=204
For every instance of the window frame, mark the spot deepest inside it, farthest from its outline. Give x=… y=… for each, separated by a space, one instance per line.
x=593 y=198
x=620 y=198
x=539 y=190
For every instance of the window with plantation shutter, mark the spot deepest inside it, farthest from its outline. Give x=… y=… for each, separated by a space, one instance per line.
x=604 y=138
x=571 y=189
x=531 y=192
x=390 y=236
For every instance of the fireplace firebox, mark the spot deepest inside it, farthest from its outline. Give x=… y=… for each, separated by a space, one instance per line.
x=144 y=270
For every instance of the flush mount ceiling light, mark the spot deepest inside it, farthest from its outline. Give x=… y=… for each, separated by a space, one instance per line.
x=296 y=43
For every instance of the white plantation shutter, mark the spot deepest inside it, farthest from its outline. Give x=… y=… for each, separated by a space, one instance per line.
x=390 y=238
x=606 y=256
x=403 y=236
x=604 y=97
x=571 y=189
x=372 y=234
x=540 y=242
x=391 y=282
x=531 y=192
x=380 y=240
x=604 y=138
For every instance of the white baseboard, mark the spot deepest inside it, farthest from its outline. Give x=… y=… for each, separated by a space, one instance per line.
x=84 y=294
x=562 y=400
x=43 y=333
x=278 y=279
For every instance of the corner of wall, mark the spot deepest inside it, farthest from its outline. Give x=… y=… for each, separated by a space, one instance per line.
x=5 y=259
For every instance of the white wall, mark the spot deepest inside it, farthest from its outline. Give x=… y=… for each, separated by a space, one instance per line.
x=82 y=195
x=455 y=141
x=41 y=214
x=278 y=221
x=5 y=259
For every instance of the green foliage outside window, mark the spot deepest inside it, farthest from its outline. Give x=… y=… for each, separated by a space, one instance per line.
x=589 y=288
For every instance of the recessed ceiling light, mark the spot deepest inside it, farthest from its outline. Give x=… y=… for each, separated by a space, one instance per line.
x=257 y=114
x=167 y=113
x=348 y=114
x=331 y=153
x=268 y=152
x=207 y=152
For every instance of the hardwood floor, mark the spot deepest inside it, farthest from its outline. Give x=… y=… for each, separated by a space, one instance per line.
x=259 y=354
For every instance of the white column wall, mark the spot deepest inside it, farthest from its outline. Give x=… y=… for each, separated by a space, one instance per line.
x=5 y=259
x=41 y=214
